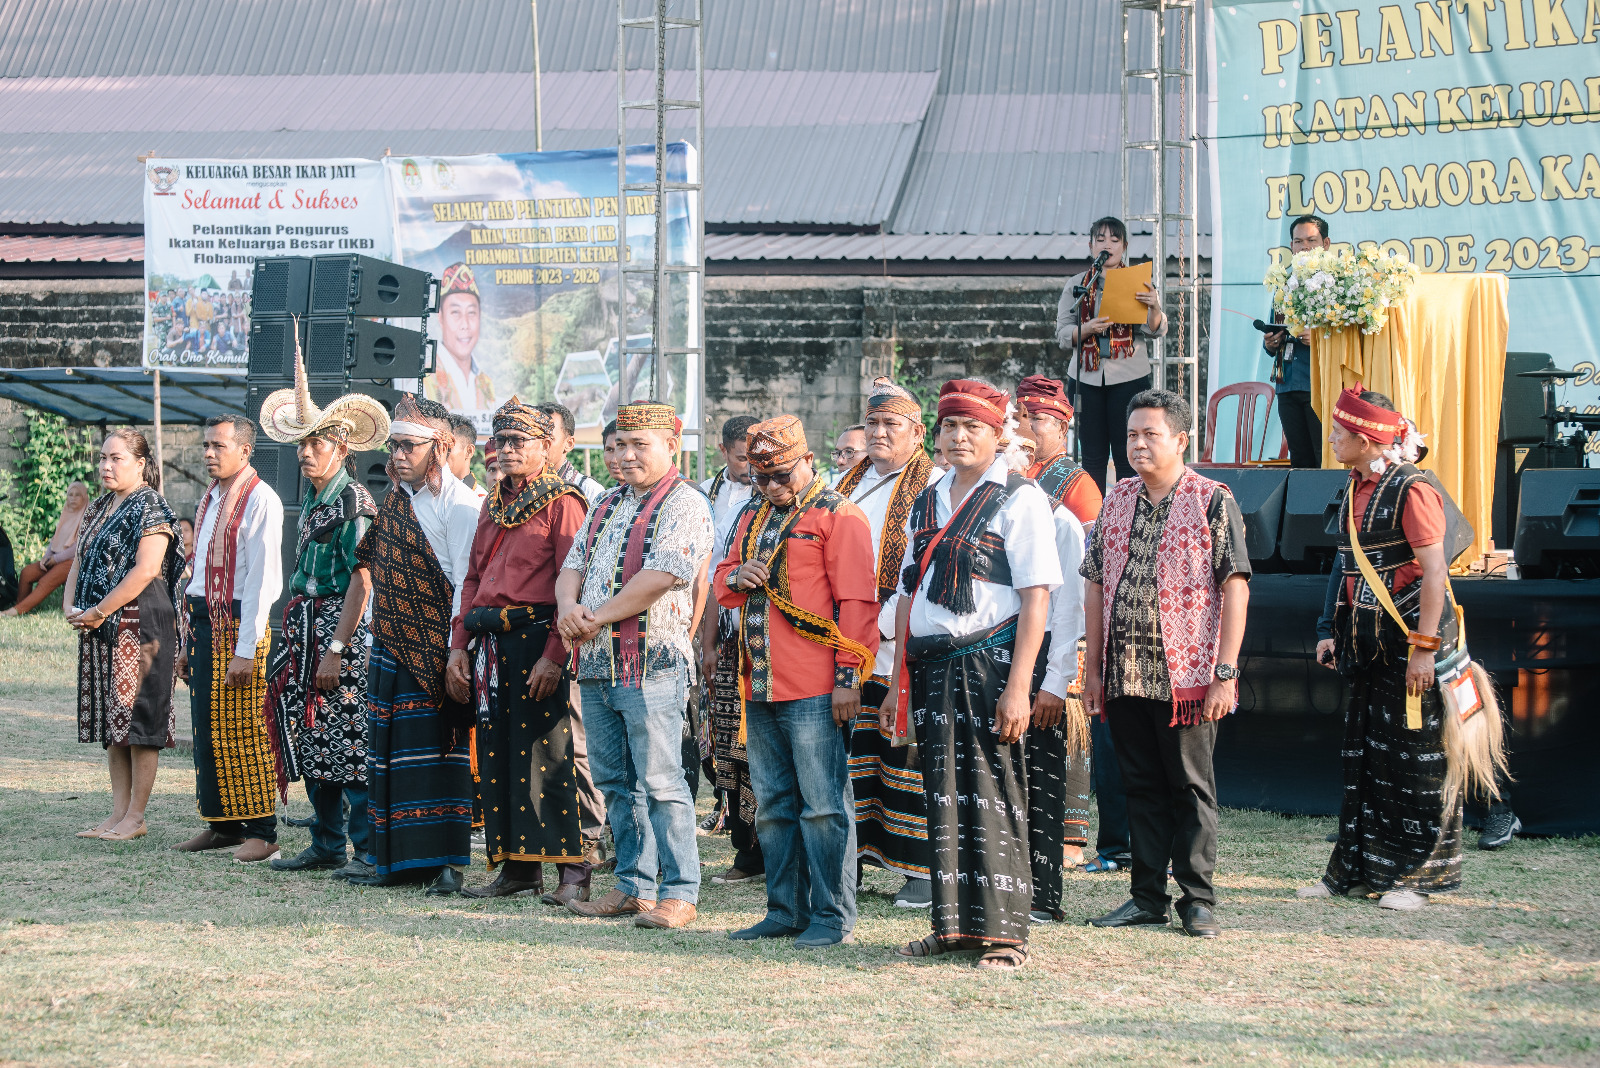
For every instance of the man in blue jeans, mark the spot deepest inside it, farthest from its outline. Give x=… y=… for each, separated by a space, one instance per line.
x=800 y=574
x=625 y=601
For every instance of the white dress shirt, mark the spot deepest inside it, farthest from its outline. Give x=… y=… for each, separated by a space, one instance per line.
x=257 y=562
x=1025 y=524
x=449 y=521
x=730 y=498
x=1066 y=606
x=872 y=497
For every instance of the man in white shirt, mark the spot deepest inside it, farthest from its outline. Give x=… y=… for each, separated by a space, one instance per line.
x=562 y=442
x=463 y=447
x=891 y=811
x=237 y=573
x=980 y=564
x=419 y=764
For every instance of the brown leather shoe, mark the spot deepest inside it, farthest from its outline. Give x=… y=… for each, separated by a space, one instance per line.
x=206 y=839
x=669 y=913
x=566 y=892
x=614 y=903
x=255 y=850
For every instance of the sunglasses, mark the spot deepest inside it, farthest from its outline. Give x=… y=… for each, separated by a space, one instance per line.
x=782 y=478
x=406 y=448
x=512 y=442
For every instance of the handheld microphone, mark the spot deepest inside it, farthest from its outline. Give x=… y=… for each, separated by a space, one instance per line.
x=1269 y=328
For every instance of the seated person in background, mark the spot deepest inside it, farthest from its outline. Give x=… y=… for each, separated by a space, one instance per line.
x=40 y=578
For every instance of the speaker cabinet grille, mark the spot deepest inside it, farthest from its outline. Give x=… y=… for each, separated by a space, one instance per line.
x=330 y=284
x=279 y=286
x=271 y=348
x=327 y=346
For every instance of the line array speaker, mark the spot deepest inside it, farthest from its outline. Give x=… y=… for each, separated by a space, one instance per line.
x=361 y=285
x=281 y=286
x=365 y=348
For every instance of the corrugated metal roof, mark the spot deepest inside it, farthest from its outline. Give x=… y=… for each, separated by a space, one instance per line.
x=110 y=395
x=66 y=38
x=94 y=249
x=873 y=247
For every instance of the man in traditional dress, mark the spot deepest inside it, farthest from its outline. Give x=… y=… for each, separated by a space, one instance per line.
x=317 y=679
x=1399 y=835
x=1168 y=589
x=237 y=571
x=626 y=604
x=506 y=655
x=419 y=768
x=891 y=812
x=463 y=447
x=564 y=431
x=1047 y=415
x=729 y=488
x=979 y=566
x=800 y=580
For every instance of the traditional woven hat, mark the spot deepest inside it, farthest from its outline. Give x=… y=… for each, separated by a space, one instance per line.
x=514 y=415
x=1376 y=424
x=970 y=398
x=776 y=443
x=648 y=415
x=458 y=278
x=885 y=396
x=1036 y=394
x=290 y=415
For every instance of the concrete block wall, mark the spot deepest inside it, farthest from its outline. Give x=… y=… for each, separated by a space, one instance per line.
x=78 y=323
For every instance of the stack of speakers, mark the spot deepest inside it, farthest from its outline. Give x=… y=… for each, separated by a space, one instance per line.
x=331 y=309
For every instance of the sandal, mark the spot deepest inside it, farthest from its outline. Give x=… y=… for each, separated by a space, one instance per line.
x=926 y=946
x=1100 y=865
x=1002 y=958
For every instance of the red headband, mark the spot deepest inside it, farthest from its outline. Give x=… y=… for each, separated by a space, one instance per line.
x=1376 y=424
x=973 y=400
x=1036 y=394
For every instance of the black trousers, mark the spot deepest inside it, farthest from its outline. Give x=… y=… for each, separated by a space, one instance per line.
x=1302 y=428
x=1103 y=424
x=262 y=827
x=1172 y=801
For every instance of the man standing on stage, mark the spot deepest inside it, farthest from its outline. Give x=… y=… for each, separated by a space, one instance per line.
x=891 y=812
x=505 y=654
x=1291 y=362
x=418 y=765
x=1046 y=415
x=1399 y=834
x=807 y=606
x=317 y=688
x=626 y=603
x=237 y=573
x=729 y=490
x=564 y=430
x=979 y=566
x=1168 y=589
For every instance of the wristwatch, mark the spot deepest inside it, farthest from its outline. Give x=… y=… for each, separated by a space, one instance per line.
x=337 y=647
x=1227 y=672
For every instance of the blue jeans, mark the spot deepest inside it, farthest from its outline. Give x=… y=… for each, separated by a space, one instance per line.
x=1111 y=838
x=328 y=833
x=805 y=811
x=636 y=759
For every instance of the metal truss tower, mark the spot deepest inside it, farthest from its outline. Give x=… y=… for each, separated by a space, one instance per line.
x=1161 y=176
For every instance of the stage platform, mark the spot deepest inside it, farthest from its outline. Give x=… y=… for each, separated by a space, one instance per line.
x=1540 y=640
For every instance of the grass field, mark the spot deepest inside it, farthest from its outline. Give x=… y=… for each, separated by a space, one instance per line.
x=131 y=954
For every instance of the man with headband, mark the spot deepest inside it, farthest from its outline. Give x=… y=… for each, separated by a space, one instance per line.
x=807 y=604
x=626 y=605
x=1047 y=415
x=979 y=566
x=317 y=676
x=891 y=812
x=508 y=660
x=418 y=767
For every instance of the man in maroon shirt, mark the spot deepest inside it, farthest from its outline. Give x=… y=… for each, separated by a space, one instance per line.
x=506 y=657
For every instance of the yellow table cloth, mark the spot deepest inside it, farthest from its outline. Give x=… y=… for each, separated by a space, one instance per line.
x=1441 y=358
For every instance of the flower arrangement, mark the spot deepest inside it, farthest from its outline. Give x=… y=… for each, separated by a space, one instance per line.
x=1329 y=289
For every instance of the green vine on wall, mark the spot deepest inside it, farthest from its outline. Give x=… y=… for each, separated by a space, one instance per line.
x=52 y=454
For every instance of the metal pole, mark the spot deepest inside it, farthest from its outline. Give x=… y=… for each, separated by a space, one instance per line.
x=697 y=300
x=624 y=373
x=156 y=399
x=538 y=102
x=660 y=387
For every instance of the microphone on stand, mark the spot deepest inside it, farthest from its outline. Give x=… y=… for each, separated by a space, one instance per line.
x=1100 y=261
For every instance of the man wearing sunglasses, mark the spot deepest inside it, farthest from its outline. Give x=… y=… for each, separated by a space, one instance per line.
x=799 y=574
x=506 y=657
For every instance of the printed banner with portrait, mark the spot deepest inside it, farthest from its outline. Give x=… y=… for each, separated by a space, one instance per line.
x=206 y=221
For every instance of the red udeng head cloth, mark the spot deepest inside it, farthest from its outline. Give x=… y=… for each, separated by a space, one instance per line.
x=1376 y=424
x=974 y=400
x=1036 y=394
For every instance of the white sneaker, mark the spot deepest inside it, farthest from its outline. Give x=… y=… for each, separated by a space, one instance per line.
x=1402 y=900
x=1035 y=916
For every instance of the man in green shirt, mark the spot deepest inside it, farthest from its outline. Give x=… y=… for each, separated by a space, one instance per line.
x=317 y=693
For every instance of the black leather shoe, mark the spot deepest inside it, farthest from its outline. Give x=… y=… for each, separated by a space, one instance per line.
x=1200 y=922
x=1130 y=914
x=378 y=880
x=309 y=860
x=1334 y=837
x=1498 y=830
x=448 y=882
x=302 y=821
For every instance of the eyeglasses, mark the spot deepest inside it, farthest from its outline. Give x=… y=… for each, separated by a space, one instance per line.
x=406 y=448
x=761 y=478
x=847 y=453
x=512 y=442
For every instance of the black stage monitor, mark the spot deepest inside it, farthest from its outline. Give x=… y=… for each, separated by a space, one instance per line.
x=1522 y=400
x=366 y=348
x=279 y=468
x=272 y=343
x=1311 y=518
x=1260 y=492
x=372 y=471
x=280 y=286
x=1558 y=524
x=361 y=285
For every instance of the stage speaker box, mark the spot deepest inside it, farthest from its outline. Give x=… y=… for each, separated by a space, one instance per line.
x=272 y=344
x=365 y=348
x=1558 y=524
x=1260 y=493
x=371 y=472
x=1522 y=400
x=361 y=285
x=279 y=468
x=281 y=286
x=1311 y=517
x=289 y=554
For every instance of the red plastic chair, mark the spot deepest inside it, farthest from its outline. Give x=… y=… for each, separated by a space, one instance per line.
x=1252 y=395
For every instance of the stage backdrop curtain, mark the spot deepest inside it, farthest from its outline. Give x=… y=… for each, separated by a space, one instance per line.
x=1441 y=358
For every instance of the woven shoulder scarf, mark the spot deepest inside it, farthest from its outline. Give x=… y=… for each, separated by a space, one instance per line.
x=1189 y=601
x=535 y=495
x=965 y=551
x=411 y=595
x=1120 y=336
x=629 y=636
x=913 y=480
x=1055 y=476
x=223 y=552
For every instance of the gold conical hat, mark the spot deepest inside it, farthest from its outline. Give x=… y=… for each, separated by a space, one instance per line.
x=291 y=416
